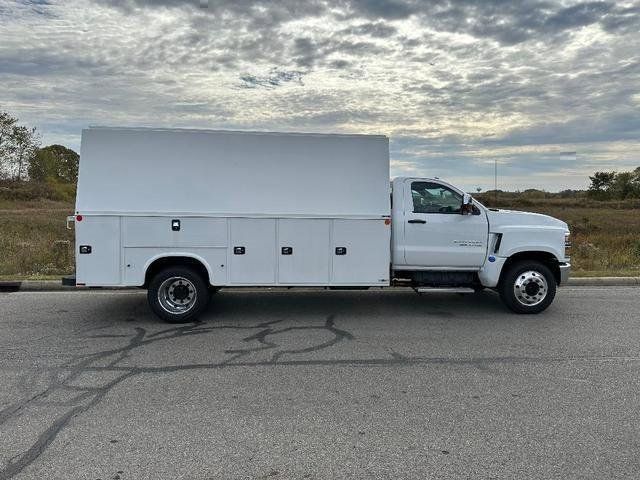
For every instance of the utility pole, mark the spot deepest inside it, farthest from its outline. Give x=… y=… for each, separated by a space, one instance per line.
x=495 y=181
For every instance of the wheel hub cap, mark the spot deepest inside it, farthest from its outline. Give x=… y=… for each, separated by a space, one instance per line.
x=180 y=292
x=177 y=295
x=530 y=288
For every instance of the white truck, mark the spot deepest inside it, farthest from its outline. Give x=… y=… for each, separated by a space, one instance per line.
x=183 y=213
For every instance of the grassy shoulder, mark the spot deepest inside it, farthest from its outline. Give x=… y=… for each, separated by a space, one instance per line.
x=21 y=278
x=36 y=245
x=605 y=234
x=605 y=273
x=34 y=240
x=606 y=242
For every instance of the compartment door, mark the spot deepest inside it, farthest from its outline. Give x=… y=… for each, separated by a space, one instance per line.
x=360 y=252
x=253 y=251
x=303 y=251
x=101 y=267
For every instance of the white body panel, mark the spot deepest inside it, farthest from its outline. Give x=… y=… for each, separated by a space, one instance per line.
x=445 y=240
x=309 y=261
x=257 y=265
x=137 y=260
x=103 y=265
x=257 y=191
x=156 y=232
x=520 y=232
x=524 y=231
x=363 y=240
x=122 y=253
x=191 y=172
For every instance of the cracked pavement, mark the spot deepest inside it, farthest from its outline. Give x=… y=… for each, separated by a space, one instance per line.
x=320 y=384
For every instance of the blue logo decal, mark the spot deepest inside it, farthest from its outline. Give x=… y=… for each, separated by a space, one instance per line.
x=492 y=258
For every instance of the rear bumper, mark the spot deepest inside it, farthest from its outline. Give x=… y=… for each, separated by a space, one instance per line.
x=565 y=272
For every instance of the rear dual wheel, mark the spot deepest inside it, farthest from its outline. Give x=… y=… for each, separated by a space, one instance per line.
x=178 y=294
x=527 y=287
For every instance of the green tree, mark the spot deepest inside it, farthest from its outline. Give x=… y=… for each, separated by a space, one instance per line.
x=26 y=143
x=55 y=162
x=601 y=183
x=635 y=182
x=7 y=122
x=622 y=186
x=18 y=145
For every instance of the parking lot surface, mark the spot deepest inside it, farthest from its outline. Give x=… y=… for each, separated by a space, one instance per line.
x=318 y=385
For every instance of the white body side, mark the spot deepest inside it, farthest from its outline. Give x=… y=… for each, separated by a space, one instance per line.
x=259 y=191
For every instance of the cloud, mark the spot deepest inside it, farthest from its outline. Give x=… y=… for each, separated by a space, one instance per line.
x=379 y=29
x=457 y=85
x=275 y=78
x=388 y=9
x=511 y=23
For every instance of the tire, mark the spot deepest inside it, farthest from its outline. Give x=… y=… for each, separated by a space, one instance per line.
x=178 y=294
x=527 y=287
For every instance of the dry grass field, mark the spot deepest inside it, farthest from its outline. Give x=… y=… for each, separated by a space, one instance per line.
x=606 y=236
x=34 y=240
x=605 y=241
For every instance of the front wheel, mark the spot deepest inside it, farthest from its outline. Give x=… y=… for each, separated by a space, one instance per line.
x=178 y=294
x=527 y=287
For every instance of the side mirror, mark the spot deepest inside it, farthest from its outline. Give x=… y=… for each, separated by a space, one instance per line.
x=467 y=204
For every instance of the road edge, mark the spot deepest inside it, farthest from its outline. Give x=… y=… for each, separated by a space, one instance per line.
x=56 y=285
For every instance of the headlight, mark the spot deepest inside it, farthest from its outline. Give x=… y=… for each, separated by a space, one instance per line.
x=567 y=245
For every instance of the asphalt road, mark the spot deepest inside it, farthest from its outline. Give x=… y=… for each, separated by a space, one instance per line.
x=320 y=385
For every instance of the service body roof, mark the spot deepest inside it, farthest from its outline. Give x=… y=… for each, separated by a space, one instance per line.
x=160 y=171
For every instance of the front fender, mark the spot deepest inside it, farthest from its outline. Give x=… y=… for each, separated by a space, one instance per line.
x=538 y=239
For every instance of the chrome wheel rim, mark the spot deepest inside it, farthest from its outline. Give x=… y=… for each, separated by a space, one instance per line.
x=530 y=288
x=177 y=295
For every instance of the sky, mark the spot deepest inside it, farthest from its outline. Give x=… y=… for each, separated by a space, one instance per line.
x=549 y=91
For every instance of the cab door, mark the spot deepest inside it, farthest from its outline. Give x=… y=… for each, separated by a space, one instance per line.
x=436 y=234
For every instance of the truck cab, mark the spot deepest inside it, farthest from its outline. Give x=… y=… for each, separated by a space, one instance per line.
x=441 y=237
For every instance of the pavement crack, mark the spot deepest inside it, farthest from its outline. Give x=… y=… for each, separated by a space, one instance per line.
x=61 y=376
x=19 y=462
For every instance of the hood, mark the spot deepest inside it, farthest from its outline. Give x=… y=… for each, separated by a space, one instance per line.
x=500 y=219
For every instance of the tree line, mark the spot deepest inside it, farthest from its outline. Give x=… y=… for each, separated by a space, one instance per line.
x=22 y=158
x=615 y=185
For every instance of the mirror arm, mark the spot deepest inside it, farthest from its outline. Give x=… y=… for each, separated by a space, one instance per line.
x=467 y=204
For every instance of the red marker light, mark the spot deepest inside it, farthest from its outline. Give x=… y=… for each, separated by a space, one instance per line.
x=78 y=218
x=387 y=221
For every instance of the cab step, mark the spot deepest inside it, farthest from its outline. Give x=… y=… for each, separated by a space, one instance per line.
x=444 y=290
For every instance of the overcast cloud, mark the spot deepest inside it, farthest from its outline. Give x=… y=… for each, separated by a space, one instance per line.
x=548 y=89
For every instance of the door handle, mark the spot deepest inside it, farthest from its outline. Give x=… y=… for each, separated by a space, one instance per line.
x=416 y=220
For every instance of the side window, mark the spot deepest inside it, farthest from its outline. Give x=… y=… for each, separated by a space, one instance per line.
x=431 y=197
